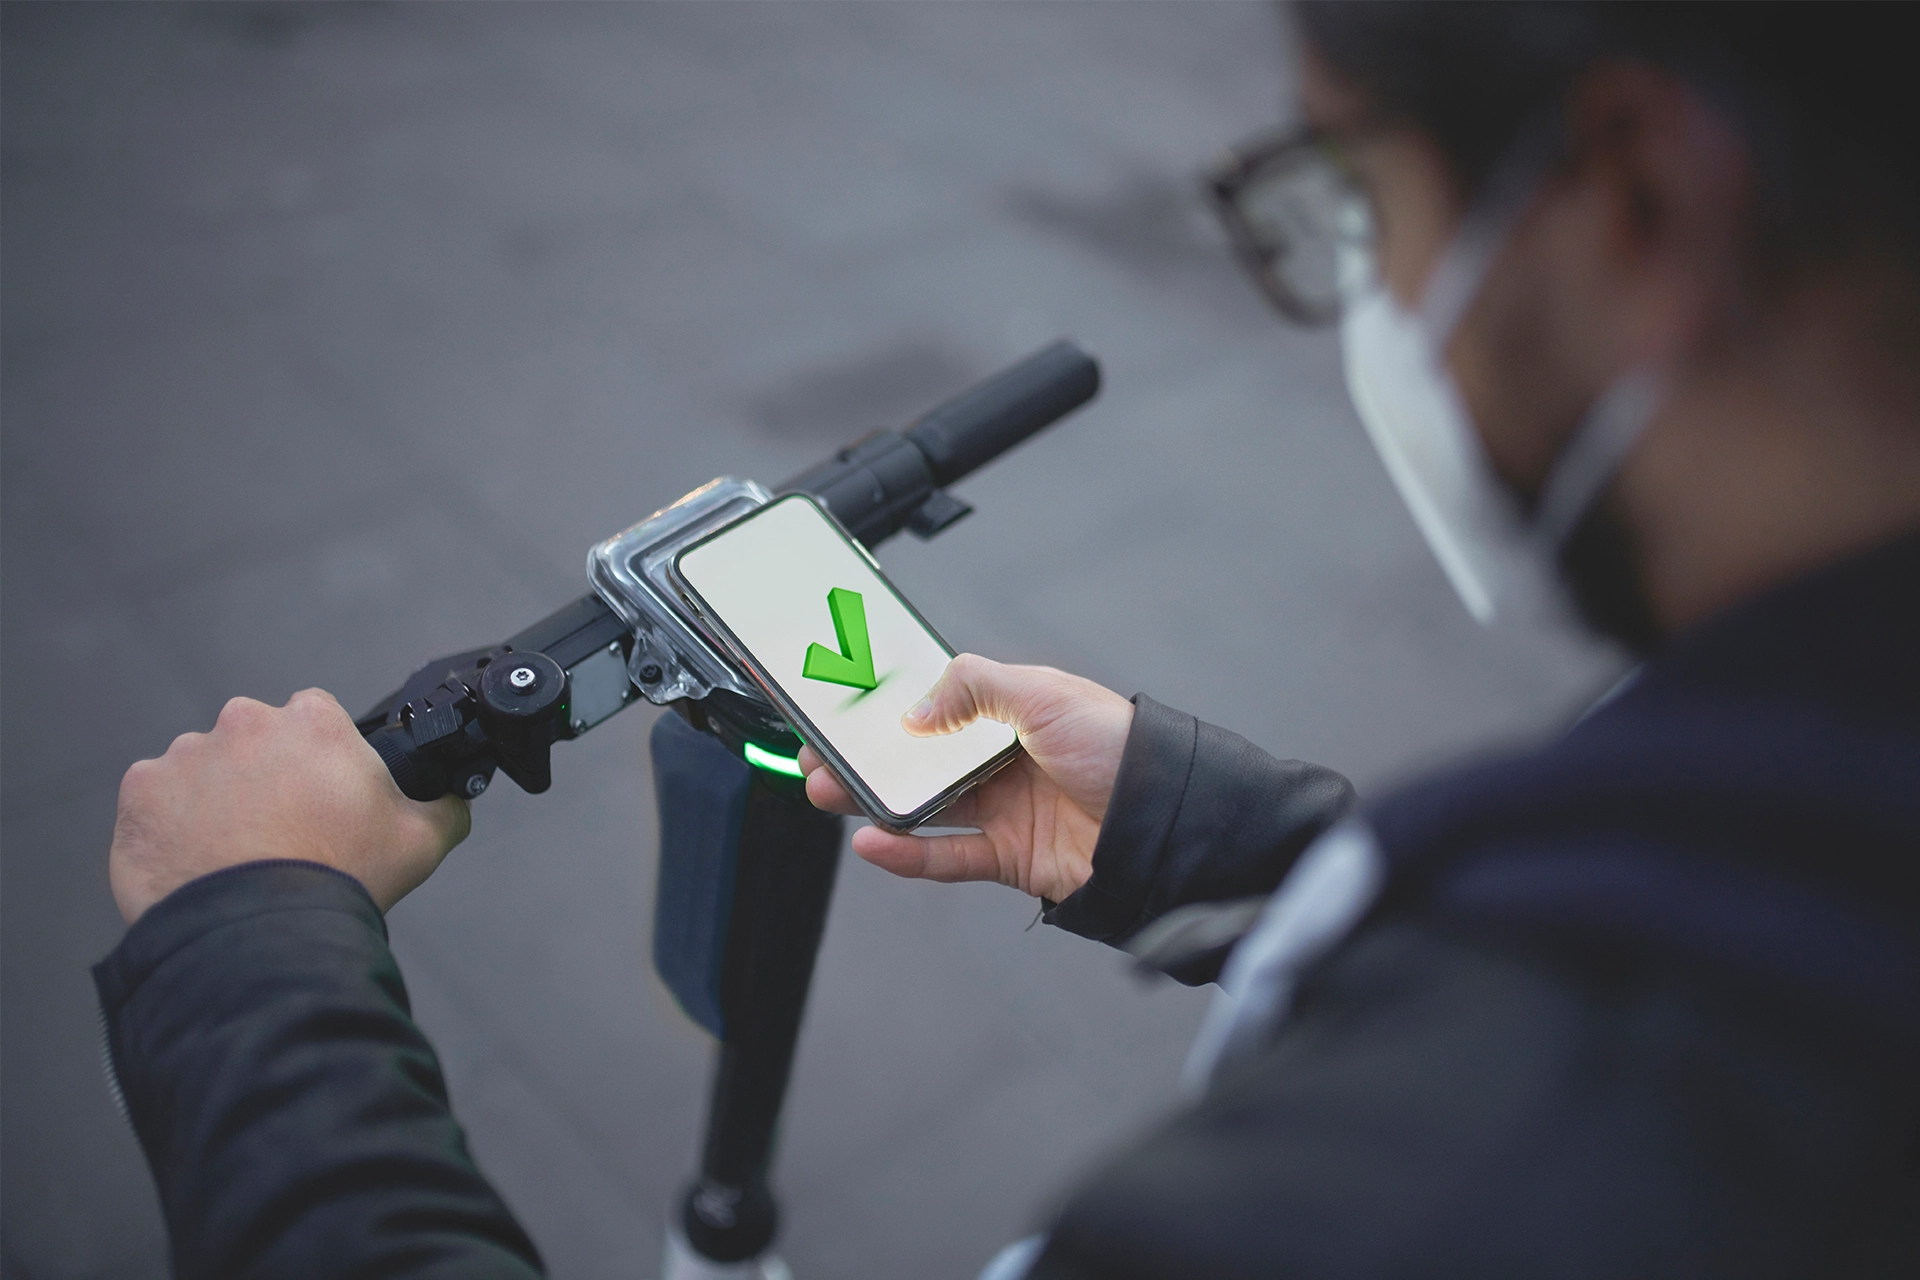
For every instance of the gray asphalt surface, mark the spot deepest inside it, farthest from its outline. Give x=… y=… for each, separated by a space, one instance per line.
x=334 y=336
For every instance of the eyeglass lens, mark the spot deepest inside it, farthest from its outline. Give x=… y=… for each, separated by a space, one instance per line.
x=1301 y=210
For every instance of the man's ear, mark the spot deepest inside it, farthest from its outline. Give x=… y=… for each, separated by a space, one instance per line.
x=1677 y=182
x=1629 y=257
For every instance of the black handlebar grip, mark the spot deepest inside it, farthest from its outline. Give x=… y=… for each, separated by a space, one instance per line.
x=979 y=425
x=395 y=747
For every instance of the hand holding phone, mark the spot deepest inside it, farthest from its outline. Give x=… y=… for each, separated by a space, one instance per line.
x=801 y=607
x=1039 y=818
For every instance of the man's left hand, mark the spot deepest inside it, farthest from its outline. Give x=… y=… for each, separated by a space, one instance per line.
x=274 y=782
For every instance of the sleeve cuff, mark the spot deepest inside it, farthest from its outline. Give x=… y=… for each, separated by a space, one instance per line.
x=222 y=898
x=1198 y=815
x=1154 y=768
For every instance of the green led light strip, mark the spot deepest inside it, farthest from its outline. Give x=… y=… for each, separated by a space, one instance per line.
x=762 y=758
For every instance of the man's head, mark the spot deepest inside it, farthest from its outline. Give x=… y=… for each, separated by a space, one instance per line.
x=1722 y=194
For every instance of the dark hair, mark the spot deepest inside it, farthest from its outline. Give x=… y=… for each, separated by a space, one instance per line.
x=1818 y=90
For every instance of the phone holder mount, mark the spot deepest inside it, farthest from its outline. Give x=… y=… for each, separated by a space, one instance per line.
x=746 y=864
x=673 y=657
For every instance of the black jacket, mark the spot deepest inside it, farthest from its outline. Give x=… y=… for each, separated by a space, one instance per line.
x=1644 y=1003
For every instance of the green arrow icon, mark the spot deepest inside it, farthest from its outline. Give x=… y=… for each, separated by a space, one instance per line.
x=853 y=665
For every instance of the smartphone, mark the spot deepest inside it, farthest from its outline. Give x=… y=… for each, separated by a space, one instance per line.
x=807 y=613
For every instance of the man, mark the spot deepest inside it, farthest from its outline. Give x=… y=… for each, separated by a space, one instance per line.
x=1629 y=303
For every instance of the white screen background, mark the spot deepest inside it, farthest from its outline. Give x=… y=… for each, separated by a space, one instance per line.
x=767 y=579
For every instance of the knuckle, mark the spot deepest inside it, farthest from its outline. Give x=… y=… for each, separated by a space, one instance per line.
x=968 y=674
x=984 y=687
x=138 y=777
x=314 y=703
x=317 y=711
x=1048 y=689
x=241 y=713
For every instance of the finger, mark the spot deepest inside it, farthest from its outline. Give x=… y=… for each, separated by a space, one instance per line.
x=827 y=792
x=314 y=695
x=810 y=760
x=945 y=858
x=448 y=820
x=973 y=687
x=963 y=812
x=956 y=699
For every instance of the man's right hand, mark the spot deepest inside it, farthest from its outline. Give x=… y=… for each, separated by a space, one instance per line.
x=1039 y=817
x=274 y=782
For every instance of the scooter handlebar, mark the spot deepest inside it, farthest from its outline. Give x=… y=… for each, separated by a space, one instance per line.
x=891 y=480
x=439 y=732
x=980 y=424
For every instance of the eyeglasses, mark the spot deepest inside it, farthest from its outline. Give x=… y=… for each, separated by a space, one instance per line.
x=1294 y=213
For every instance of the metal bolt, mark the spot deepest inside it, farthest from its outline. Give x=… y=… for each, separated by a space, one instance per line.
x=476 y=784
x=522 y=678
x=579 y=726
x=650 y=674
x=614 y=648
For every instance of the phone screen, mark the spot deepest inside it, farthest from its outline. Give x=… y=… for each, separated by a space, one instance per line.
x=841 y=644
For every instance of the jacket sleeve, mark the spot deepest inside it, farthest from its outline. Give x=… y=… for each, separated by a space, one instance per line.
x=1198 y=815
x=294 y=1116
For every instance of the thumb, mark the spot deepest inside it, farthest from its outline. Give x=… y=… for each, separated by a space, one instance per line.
x=446 y=822
x=972 y=688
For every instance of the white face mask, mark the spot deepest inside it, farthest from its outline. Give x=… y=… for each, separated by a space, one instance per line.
x=1503 y=565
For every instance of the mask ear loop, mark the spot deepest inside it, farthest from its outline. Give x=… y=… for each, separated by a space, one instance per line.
x=1614 y=423
x=1600 y=444
x=1463 y=268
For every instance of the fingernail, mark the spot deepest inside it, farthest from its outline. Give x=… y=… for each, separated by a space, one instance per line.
x=922 y=710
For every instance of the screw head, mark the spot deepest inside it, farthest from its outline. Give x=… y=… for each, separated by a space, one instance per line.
x=476 y=784
x=522 y=678
x=579 y=726
x=650 y=674
x=614 y=648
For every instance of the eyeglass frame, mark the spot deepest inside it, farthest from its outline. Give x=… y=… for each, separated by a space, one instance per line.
x=1237 y=169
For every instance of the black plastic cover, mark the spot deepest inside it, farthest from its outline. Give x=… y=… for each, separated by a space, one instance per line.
x=701 y=789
